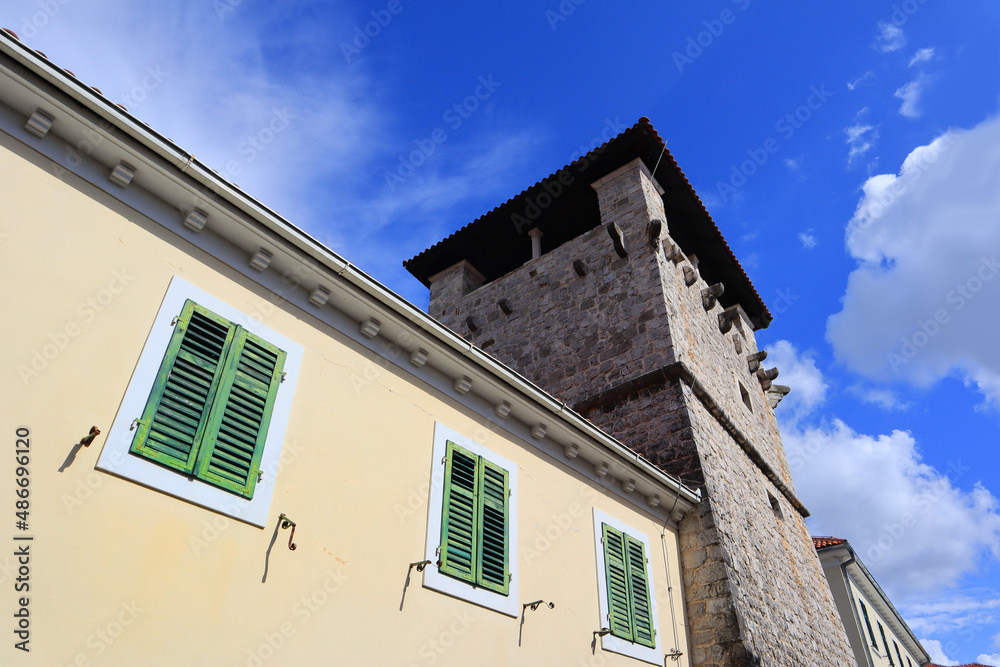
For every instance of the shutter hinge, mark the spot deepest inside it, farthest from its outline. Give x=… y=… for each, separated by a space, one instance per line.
x=437 y=551
x=283 y=374
x=510 y=576
x=260 y=475
x=443 y=459
x=174 y=321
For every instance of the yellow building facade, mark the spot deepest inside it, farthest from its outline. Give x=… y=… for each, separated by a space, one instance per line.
x=330 y=403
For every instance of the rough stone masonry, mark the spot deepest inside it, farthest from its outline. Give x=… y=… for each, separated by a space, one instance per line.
x=619 y=323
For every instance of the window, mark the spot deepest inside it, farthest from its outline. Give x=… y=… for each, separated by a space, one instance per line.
x=630 y=616
x=205 y=413
x=775 y=506
x=898 y=654
x=208 y=411
x=472 y=512
x=888 y=653
x=745 y=395
x=864 y=610
x=625 y=586
x=474 y=525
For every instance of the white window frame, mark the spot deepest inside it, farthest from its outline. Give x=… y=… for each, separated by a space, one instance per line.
x=609 y=642
x=115 y=457
x=505 y=604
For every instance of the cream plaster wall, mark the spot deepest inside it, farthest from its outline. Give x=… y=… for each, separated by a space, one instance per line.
x=125 y=575
x=878 y=656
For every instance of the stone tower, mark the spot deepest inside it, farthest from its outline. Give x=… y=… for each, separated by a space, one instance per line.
x=614 y=290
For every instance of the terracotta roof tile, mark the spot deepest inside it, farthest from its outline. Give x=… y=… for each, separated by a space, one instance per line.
x=823 y=542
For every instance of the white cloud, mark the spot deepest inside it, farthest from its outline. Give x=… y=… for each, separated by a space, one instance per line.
x=884 y=398
x=891 y=37
x=861 y=138
x=223 y=81
x=993 y=660
x=960 y=613
x=808 y=240
x=921 y=56
x=799 y=372
x=922 y=302
x=936 y=652
x=793 y=165
x=864 y=78
x=911 y=94
x=913 y=528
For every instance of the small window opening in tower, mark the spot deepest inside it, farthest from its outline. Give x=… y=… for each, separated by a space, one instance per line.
x=775 y=506
x=745 y=395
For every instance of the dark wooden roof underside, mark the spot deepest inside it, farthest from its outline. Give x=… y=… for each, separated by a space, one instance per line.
x=497 y=243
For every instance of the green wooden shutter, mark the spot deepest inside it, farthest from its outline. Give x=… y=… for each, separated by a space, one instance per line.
x=619 y=604
x=493 y=508
x=176 y=413
x=642 y=614
x=460 y=527
x=237 y=427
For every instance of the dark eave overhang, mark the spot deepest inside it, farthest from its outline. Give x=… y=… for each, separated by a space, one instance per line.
x=564 y=206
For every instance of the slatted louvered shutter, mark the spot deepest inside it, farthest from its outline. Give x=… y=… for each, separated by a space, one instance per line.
x=460 y=528
x=643 y=630
x=237 y=428
x=616 y=572
x=176 y=413
x=494 y=510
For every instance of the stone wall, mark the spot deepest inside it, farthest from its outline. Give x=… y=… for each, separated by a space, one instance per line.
x=628 y=342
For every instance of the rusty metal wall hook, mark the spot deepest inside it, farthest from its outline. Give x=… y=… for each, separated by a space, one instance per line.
x=420 y=565
x=534 y=605
x=285 y=522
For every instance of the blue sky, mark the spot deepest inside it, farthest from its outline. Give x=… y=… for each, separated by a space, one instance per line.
x=850 y=153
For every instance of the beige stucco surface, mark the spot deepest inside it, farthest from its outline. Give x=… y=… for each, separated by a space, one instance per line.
x=126 y=575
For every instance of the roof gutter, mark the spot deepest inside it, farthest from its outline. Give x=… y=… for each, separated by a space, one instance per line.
x=854 y=605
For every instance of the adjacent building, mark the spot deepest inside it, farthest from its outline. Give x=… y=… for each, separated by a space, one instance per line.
x=878 y=634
